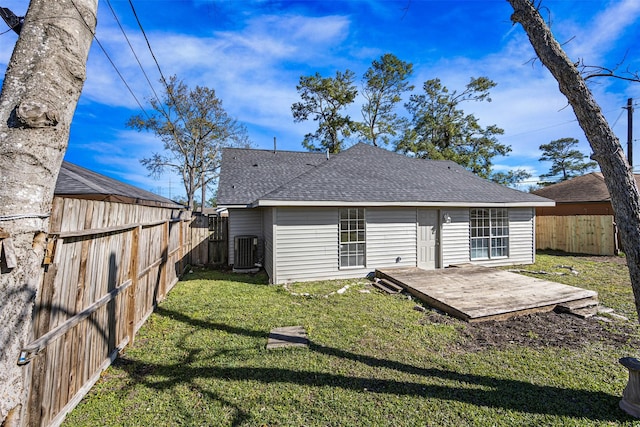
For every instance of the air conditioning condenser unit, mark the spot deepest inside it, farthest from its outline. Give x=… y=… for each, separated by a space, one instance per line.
x=245 y=254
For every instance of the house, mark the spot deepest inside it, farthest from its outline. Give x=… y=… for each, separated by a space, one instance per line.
x=315 y=216
x=582 y=221
x=582 y=195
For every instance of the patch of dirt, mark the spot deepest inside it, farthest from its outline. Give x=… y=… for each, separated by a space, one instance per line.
x=539 y=330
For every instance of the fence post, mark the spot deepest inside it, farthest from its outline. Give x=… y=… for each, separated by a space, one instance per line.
x=165 y=259
x=131 y=292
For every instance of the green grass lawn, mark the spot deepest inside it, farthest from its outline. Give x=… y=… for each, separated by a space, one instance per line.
x=373 y=361
x=609 y=279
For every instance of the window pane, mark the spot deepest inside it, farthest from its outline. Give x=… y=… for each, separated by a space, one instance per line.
x=352 y=237
x=489 y=233
x=479 y=248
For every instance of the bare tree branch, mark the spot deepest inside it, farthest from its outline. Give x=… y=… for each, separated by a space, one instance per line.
x=193 y=139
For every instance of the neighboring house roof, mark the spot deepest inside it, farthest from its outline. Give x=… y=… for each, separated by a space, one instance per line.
x=586 y=188
x=360 y=175
x=76 y=181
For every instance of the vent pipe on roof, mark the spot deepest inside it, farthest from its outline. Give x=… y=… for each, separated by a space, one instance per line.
x=274 y=145
x=327 y=154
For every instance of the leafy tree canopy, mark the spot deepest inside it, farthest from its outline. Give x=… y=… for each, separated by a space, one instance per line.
x=510 y=178
x=323 y=100
x=382 y=87
x=440 y=129
x=193 y=128
x=566 y=160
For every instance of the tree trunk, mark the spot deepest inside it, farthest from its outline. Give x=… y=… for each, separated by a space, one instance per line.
x=607 y=151
x=39 y=96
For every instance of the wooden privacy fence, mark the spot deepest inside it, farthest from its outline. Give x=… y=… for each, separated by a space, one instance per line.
x=584 y=234
x=107 y=266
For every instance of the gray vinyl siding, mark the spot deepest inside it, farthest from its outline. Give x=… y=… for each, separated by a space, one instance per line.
x=302 y=244
x=267 y=227
x=391 y=234
x=454 y=238
x=243 y=222
x=306 y=246
x=522 y=235
x=521 y=239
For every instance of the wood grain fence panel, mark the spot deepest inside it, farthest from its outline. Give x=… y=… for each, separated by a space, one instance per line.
x=586 y=234
x=113 y=262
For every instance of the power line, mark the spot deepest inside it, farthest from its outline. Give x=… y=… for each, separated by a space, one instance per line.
x=620 y=115
x=132 y=50
x=110 y=60
x=164 y=81
x=559 y=124
x=540 y=129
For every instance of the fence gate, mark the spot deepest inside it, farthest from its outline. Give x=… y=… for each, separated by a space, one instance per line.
x=218 y=245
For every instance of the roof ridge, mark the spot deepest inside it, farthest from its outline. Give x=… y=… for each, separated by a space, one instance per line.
x=269 y=150
x=324 y=164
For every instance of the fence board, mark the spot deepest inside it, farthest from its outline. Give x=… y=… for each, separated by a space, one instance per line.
x=82 y=317
x=585 y=234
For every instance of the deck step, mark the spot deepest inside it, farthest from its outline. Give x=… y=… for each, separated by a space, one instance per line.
x=389 y=279
x=585 y=313
x=584 y=308
x=387 y=286
x=579 y=303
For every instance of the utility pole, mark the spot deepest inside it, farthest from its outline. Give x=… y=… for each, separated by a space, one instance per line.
x=629 y=109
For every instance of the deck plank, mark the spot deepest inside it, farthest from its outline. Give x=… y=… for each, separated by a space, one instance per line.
x=476 y=293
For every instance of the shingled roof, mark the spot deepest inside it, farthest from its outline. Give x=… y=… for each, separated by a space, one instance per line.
x=76 y=181
x=581 y=189
x=362 y=174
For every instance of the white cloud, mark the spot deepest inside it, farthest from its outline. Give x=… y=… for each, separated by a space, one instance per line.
x=255 y=67
x=596 y=38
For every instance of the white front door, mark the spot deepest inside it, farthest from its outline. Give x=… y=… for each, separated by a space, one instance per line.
x=428 y=255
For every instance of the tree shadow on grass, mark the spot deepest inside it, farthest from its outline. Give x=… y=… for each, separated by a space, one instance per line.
x=484 y=391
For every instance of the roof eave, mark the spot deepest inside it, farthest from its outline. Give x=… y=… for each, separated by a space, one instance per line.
x=337 y=203
x=235 y=206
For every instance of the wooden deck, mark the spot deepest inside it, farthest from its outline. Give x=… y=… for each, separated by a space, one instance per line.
x=476 y=294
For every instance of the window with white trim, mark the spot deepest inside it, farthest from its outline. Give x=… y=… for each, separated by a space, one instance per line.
x=489 y=230
x=352 y=237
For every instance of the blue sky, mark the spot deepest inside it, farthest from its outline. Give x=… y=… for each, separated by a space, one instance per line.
x=254 y=52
